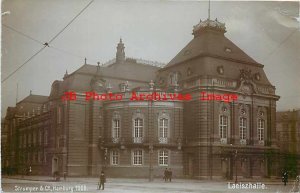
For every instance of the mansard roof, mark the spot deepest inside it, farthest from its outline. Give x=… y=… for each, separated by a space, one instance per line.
x=209 y=40
x=40 y=99
x=127 y=71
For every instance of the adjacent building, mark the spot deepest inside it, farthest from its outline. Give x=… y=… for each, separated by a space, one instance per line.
x=288 y=135
x=196 y=138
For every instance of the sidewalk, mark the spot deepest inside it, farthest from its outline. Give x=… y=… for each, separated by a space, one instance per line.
x=142 y=180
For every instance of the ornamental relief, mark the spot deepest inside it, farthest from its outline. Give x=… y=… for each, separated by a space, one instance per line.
x=246 y=84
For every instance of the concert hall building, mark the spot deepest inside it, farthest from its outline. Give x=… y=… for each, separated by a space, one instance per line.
x=205 y=139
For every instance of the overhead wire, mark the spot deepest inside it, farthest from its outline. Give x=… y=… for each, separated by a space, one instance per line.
x=46 y=44
x=41 y=43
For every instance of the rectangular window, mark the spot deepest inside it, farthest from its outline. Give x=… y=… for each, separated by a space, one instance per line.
x=163 y=128
x=116 y=128
x=138 y=127
x=243 y=127
x=223 y=125
x=261 y=128
x=163 y=158
x=137 y=157
x=114 y=157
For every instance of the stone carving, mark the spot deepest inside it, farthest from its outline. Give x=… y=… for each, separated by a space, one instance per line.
x=245 y=74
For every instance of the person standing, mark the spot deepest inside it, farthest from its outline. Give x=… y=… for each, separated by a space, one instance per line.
x=166 y=174
x=65 y=175
x=102 y=181
x=170 y=174
x=285 y=177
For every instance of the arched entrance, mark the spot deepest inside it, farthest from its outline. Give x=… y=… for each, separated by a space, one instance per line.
x=54 y=164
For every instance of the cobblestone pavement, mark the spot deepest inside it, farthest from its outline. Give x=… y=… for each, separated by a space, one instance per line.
x=89 y=185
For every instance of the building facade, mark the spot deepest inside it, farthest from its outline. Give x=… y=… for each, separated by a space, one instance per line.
x=202 y=137
x=288 y=134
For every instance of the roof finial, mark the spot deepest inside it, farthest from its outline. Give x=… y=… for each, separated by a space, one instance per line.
x=84 y=60
x=98 y=63
x=30 y=92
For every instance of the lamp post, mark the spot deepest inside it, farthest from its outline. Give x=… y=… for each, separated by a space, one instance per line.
x=235 y=158
x=150 y=163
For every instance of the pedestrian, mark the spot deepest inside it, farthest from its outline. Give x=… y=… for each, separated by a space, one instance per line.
x=170 y=174
x=166 y=174
x=285 y=177
x=102 y=180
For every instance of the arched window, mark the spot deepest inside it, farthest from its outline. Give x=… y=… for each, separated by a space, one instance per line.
x=138 y=127
x=223 y=126
x=116 y=127
x=116 y=130
x=243 y=128
x=261 y=125
x=224 y=122
x=261 y=129
x=244 y=123
x=163 y=127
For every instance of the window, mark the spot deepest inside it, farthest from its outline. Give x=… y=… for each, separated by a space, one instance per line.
x=29 y=139
x=116 y=129
x=137 y=157
x=25 y=141
x=46 y=137
x=163 y=127
x=261 y=128
x=59 y=115
x=20 y=141
x=40 y=137
x=173 y=78
x=39 y=157
x=138 y=127
x=163 y=158
x=34 y=138
x=114 y=157
x=223 y=125
x=243 y=127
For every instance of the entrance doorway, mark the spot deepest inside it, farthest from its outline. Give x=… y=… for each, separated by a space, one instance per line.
x=54 y=164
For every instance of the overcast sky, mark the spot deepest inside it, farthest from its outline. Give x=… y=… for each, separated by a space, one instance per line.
x=152 y=30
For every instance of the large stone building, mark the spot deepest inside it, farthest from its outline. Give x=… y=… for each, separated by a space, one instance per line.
x=196 y=138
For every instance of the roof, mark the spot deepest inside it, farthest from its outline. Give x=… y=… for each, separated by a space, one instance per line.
x=34 y=99
x=209 y=40
x=127 y=70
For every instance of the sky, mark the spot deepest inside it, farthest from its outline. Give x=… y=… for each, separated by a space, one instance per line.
x=269 y=32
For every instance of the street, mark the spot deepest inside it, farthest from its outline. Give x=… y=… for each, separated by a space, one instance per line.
x=43 y=184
